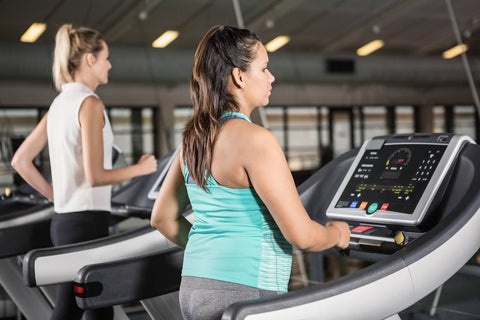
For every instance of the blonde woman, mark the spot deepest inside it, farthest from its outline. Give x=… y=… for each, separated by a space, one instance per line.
x=80 y=140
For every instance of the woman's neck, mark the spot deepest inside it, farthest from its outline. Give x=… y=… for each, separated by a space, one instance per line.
x=84 y=80
x=245 y=110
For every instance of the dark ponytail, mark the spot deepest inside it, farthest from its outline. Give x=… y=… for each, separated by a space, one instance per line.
x=220 y=50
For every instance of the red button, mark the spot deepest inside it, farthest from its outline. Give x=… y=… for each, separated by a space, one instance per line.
x=384 y=206
x=78 y=290
x=361 y=229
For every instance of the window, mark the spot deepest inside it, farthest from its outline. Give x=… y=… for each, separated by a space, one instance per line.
x=180 y=115
x=464 y=120
x=133 y=130
x=375 y=123
x=405 y=119
x=297 y=129
x=15 y=125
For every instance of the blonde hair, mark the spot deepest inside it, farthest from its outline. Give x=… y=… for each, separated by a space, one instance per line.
x=70 y=45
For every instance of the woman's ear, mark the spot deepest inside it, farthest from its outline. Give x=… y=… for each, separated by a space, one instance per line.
x=90 y=59
x=238 y=77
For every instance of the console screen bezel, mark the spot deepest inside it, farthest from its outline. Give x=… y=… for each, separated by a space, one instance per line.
x=153 y=192
x=393 y=217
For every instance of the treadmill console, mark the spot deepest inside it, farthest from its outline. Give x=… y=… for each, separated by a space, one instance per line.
x=153 y=192
x=394 y=179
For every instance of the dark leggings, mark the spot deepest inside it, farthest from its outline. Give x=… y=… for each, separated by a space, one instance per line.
x=74 y=227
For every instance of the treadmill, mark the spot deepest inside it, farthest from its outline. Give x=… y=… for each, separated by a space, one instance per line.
x=25 y=217
x=418 y=220
x=142 y=251
x=24 y=225
x=412 y=203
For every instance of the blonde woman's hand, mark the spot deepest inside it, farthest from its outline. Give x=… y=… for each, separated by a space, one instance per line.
x=147 y=164
x=344 y=231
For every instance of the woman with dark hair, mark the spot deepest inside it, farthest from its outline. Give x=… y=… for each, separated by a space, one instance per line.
x=80 y=142
x=247 y=212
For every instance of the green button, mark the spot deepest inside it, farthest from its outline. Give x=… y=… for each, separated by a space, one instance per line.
x=372 y=208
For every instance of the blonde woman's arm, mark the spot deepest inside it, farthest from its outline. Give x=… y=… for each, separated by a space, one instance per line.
x=22 y=160
x=92 y=123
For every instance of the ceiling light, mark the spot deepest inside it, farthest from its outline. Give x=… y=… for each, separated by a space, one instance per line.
x=455 y=51
x=370 y=47
x=165 y=39
x=277 y=43
x=33 y=32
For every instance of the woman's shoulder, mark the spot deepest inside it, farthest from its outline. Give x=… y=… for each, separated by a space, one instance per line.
x=93 y=100
x=92 y=110
x=238 y=129
x=92 y=104
x=249 y=137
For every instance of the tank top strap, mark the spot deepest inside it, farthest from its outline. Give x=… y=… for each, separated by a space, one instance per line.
x=186 y=175
x=229 y=115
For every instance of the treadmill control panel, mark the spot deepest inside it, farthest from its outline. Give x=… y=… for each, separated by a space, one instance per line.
x=394 y=179
x=155 y=188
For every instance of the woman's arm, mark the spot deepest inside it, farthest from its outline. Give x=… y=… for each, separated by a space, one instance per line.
x=22 y=160
x=170 y=204
x=270 y=175
x=92 y=122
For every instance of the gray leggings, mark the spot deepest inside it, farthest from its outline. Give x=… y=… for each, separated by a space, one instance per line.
x=206 y=299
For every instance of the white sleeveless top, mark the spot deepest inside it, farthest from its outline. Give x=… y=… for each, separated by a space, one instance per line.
x=71 y=190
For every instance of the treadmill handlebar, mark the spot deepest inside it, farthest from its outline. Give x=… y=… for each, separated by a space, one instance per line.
x=68 y=259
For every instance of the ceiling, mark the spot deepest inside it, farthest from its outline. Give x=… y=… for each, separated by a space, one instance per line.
x=417 y=28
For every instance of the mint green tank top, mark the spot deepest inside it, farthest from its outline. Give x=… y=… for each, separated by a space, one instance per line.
x=234 y=238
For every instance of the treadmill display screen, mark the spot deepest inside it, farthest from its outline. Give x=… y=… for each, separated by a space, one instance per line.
x=391 y=179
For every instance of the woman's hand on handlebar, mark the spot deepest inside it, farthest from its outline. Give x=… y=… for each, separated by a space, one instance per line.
x=344 y=231
x=147 y=164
